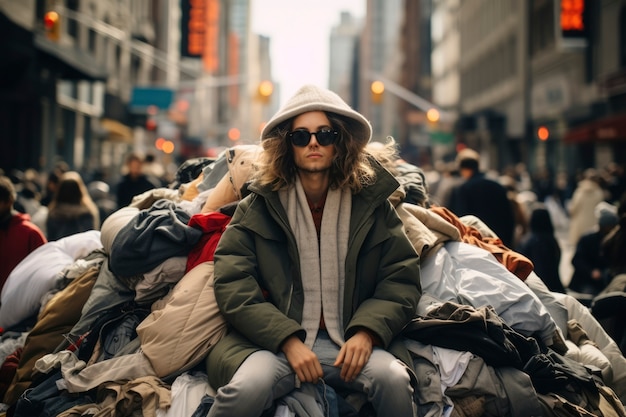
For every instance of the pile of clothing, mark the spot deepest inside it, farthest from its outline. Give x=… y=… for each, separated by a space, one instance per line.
x=119 y=321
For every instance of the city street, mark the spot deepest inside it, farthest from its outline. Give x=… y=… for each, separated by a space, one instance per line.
x=197 y=197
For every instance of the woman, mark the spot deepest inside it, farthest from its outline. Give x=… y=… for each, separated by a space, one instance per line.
x=71 y=210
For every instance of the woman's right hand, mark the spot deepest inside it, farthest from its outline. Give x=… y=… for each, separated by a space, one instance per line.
x=302 y=359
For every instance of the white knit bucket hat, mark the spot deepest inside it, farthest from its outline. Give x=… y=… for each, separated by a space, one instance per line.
x=312 y=98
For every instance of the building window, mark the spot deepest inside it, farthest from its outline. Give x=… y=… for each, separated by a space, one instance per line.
x=72 y=26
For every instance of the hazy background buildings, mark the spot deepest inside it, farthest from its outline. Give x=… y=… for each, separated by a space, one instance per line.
x=114 y=75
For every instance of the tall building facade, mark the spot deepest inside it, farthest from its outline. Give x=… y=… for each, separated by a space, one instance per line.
x=78 y=63
x=344 y=44
x=493 y=78
x=394 y=75
x=540 y=82
x=380 y=54
x=102 y=77
x=446 y=76
x=416 y=136
x=596 y=122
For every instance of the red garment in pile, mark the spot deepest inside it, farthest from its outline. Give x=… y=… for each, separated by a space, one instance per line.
x=213 y=225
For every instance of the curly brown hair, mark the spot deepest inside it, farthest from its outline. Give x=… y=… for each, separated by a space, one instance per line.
x=350 y=167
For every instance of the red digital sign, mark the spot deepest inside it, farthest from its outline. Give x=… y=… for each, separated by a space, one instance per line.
x=193 y=29
x=210 y=56
x=573 y=18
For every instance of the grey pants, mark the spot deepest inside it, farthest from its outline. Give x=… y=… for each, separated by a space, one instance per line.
x=264 y=377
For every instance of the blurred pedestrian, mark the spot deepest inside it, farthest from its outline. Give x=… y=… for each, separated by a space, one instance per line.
x=616 y=181
x=52 y=182
x=609 y=307
x=587 y=195
x=591 y=274
x=543 y=249
x=71 y=210
x=135 y=182
x=614 y=245
x=30 y=199
x=100 y=193
x=523 y=177
x=17 y=178
x=543 y=183
x=482 y=197
x=519 y=210
x=18 y=235
x=448 y=180
x=154 y=169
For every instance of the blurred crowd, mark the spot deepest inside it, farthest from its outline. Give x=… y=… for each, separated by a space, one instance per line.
x=551 y=214
x=63 y=202
x=528 y=212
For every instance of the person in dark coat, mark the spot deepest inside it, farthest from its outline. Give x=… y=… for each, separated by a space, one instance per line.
x=591 y=273
x=482 y=197
x=135 y=182
x=542 y=248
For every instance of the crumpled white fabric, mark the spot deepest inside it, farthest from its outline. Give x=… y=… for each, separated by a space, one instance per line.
x=467 y=274
x=36 y=275
x=617 y=377
x=187 y=392
x=195 y=206
x=588 y=354
x=452 y=365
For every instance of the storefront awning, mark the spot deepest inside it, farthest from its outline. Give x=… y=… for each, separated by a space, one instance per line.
x=74 y=63
x=579 y=134
x=610 y=128
x=117 y=131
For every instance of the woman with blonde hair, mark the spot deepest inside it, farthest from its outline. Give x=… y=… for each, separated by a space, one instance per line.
x=71 y=210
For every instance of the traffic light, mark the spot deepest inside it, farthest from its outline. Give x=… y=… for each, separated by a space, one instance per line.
x=52 y=25
x=543 y=133
x=432 y=115
x=234 y=134
x=377 y=88
x=151 y=124
x=265 y=90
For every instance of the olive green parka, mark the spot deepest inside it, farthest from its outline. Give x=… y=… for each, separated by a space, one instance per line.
x=258 y=283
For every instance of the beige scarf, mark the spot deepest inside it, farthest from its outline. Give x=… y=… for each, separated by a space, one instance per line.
x=322 y=265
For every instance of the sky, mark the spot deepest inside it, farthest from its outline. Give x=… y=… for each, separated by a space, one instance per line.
x=300 y=31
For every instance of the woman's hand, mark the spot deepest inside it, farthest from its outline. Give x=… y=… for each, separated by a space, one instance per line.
x=303 y=360
x=354 y=354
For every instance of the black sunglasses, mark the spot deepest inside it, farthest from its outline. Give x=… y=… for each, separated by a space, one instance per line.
x=302 y=137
